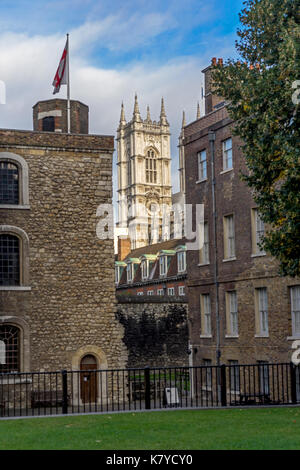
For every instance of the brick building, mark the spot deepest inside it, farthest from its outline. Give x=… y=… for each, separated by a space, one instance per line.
x=240 y=310
x=57 y=293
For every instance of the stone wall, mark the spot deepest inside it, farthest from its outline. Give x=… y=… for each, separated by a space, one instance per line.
x=155 y=330
x=67 y=307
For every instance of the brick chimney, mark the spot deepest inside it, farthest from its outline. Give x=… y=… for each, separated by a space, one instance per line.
x=124 y=248
x=51 y=116
x=211 y=100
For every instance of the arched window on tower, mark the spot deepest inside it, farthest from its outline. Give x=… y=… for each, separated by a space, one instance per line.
x=151 y=167
x=9 y=348
x=9 y=183
x=9 y=260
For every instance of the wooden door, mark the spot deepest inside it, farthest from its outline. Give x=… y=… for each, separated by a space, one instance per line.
x=88 y=379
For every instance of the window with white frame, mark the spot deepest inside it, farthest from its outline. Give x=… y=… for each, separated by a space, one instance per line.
x=145 y=269
x=163 y=265
x=227 y=154
x=205 y=314
x=150 y=292
x=262 y=311
x=295 y=307
x=181 y=290
x=204 y=252
x=232 y=313
x=160 y=292
x=171 y=291
x=234 y=376
x=264 y=380
x=202 y=165
x=181 y=261
x=117 y=274
x=140 y=292
x=229 y=237
x=129 y=270
x=258 y=231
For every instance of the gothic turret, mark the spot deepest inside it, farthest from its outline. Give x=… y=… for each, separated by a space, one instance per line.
x=163 y=116
x=136 y=111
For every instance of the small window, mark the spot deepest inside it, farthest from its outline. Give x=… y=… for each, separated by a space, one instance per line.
x=9 y=260
x=205 y=314
x=140 y=292
x=181 y=260
x=48 y=124
x=171 y=291
x=295 y=306
x=229 y=237
x=202 y=165
x=204 y=252
x=227 y=154
x=145 y=269
x=232 y=313
x=163 y=265
x=160 y=292
x=261 y=301
x=9 y=348
x=181 y=290
x=117 y=275
x=129 y=270
x=9 y=183
x=207 y=372
x=150 y=292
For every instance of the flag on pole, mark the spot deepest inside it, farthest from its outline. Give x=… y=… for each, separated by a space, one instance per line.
x=61 y=76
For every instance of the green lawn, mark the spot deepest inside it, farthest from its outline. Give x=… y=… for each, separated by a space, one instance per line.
x=272 y=428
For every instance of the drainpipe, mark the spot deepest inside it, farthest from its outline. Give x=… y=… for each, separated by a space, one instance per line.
x=212 y=138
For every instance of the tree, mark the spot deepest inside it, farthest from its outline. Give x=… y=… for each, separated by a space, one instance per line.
x=262 y=88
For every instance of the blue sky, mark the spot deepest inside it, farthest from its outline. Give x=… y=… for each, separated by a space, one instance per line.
x=155 y=48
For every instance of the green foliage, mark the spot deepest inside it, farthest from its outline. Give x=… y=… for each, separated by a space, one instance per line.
x=260 y=89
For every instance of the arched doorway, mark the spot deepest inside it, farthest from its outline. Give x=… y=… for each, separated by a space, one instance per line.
x=88 y=379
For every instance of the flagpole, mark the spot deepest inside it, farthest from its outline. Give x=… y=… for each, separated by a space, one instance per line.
x=68 y=89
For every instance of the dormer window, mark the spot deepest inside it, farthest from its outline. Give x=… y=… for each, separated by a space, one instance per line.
x=129 y=270
x=163 y=265
x=181 y=261
x=145 y=269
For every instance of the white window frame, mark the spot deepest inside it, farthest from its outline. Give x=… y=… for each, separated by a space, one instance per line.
x=262 y=311
x=232 y=314
x=204 y=252
x=229 y=237
x=163 y=265
x=295 y=310
x=171 y=291
x=160 y=292
x=129 y=272
x=205 y=305
x=150 y=292
x=258 y=231
x=202 y=165
x=181 y=261
x=140 y=293
x=181 y=290
x=227 y=151
x=145 y=269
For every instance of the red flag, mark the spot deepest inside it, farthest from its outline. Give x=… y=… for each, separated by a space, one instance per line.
x=61 y=73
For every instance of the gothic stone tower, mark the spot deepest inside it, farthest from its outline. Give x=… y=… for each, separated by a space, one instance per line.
x=144 y=175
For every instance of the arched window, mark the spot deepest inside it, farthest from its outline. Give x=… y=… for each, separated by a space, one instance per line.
x=151 y=167
x=48 y=124
x=9 y=183
x=9 y=348
x=9 y=260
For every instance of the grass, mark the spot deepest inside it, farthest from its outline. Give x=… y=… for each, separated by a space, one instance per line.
x=265 y=428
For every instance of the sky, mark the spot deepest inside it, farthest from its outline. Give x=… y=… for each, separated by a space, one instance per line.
x=117 y=48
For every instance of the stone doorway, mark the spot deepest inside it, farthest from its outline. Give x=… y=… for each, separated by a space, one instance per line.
x=88 y=379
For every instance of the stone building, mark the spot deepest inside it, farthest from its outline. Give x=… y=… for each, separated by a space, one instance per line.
x=57 y=292
x=144 y=176
x=240 y=310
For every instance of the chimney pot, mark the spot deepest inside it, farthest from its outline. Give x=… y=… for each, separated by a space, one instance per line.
x=220 y=62
x=214 y=61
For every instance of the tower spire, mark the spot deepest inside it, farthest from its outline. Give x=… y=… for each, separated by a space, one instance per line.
x=148 y=119
x=183 y=120
x=198 y=111
x=136 y=111
x=122 y=116
x=163 y=116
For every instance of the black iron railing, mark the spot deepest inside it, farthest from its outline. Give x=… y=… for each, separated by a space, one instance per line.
x=90 y=391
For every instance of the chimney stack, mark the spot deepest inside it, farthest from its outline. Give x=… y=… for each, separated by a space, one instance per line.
x=124 y=248
x=211 y=99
